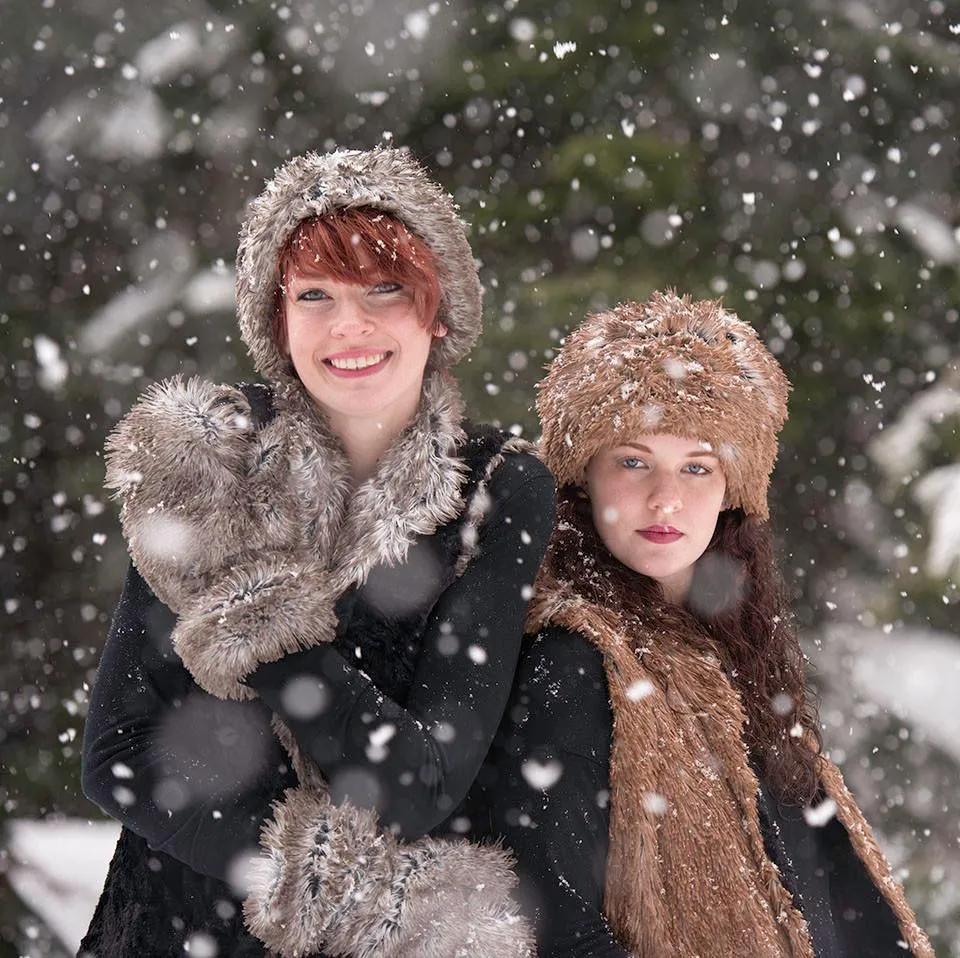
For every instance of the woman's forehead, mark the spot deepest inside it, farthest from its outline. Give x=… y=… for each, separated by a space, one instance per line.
x=667 y=443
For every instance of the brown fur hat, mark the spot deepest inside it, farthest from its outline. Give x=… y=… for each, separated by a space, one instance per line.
x=673 y=366
x=315 y=183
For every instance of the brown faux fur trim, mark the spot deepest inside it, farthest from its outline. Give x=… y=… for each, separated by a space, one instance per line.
x=672 y=366
x=329 y=880
x=687 y=872
x=385 y=179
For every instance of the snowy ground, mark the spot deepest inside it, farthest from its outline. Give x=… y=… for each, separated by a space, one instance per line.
x=58 y=867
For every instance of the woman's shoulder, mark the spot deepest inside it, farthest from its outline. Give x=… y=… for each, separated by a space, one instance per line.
x=556 y=654
x=561 y=693
x=509 y=477
x=520 y=467
x=511 y=455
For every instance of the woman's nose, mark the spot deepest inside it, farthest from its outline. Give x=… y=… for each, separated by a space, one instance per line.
x=665 y=496
x=351 y=320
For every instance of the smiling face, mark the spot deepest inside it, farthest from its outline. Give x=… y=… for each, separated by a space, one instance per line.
x=360 y=350
x=655 y=504
x=357 y=313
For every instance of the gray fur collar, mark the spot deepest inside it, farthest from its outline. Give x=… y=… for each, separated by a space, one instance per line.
x=416 y=487
x=250 y=534
x=316 y=183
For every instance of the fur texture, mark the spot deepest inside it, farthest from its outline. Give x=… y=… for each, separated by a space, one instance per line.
x=687 y=872
x=249 y=535
x=672 y=366
x=332 y=880
x=385 y=179
x=265 y=537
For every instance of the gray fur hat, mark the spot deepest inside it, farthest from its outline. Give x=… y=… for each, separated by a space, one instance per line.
x=384 y=178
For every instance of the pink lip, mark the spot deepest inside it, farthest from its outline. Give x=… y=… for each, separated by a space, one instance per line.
x=356 y=354
x=660 y=534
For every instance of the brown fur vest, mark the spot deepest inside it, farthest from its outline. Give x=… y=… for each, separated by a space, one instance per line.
x=687 y=873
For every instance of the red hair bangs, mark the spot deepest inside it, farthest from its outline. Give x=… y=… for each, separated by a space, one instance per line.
x=364 y=246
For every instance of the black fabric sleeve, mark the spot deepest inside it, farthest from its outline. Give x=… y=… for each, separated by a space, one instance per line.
x=551 y=803
x=415 y=763
x=191 y=774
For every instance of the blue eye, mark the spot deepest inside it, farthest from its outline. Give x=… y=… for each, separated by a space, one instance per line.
x=311 y=295
x=697 y=469
x=387 y=287
x=631 y=462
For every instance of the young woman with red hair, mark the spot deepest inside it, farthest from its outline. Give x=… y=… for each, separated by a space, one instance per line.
x=318 y=638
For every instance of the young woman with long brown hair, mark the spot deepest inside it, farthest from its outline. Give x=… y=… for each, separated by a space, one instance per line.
x=667 y=793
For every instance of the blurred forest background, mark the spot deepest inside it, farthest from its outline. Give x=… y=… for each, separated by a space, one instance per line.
x=798 y=158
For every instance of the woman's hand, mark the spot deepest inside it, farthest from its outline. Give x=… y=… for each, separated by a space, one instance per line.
x=178 y=462
x=210 y=529
x=331 y=880
x=263 y=608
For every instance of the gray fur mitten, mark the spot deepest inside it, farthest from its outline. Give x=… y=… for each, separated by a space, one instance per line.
x=265 y=608
x=330 y=881
x=197 y=481
x=213 y=512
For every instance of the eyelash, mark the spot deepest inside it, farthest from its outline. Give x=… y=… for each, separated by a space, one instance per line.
x=705 y=470
x=305 y=295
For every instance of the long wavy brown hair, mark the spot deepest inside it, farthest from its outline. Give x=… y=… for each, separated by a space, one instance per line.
x=738 y=609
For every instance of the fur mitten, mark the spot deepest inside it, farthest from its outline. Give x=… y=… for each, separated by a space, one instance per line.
x=216 y=527
x=195 y=475
x=266 y=607
x=331 y=881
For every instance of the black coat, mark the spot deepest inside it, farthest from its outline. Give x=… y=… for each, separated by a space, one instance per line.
x=195 y=785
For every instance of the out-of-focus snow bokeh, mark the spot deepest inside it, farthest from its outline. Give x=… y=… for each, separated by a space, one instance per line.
x=57 y=868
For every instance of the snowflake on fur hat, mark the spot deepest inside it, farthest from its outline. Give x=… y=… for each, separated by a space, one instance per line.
x=671 y=365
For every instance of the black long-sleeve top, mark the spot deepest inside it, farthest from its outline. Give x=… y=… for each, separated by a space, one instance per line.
x=551 y=804
x=415 y=760
x=195 y=776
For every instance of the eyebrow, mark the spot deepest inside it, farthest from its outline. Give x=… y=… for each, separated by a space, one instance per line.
x=297 y=281
x=690 y=455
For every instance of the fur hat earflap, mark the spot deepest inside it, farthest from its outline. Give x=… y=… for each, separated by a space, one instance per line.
x=671 y=365
x=384 y=179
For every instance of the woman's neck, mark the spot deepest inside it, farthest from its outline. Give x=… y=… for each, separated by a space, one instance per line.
x=366 y=439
